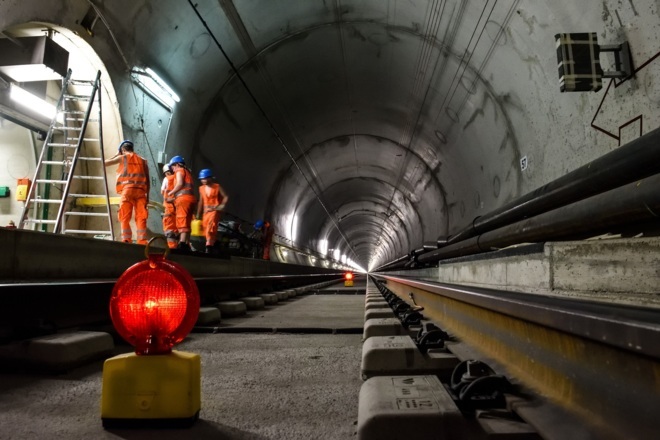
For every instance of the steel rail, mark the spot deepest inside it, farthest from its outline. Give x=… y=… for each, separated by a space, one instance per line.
x=24 y=307
x=599 y=361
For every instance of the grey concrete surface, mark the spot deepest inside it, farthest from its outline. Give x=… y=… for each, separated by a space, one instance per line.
x=318 y=311
x=254 y=387
x=57 y=352
x=619 y=270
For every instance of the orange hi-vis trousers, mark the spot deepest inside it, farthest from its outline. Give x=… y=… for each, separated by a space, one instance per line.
x=169 y=224
x=133 y=199
x=210 y=224
x=184 y=206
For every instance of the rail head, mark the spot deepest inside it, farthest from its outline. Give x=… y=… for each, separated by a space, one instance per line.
x=625 y=327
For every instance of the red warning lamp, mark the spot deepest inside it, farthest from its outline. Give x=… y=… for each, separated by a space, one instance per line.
x=154 y=305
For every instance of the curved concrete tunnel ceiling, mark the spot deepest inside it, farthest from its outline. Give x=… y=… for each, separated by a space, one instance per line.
x=351 y=97
x=376 y=125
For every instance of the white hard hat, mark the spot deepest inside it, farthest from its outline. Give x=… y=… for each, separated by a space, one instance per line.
x=166 y=168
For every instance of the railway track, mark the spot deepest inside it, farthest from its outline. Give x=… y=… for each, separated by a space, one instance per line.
x=554 y=368
x=588 y=370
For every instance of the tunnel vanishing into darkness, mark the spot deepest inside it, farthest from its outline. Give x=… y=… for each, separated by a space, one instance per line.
x=373 y=126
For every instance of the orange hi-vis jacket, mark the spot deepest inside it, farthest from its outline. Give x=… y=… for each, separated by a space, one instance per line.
x=169 y=183
x=169 y=214
x=131 y=172
x=210 y=196
x=187 y=188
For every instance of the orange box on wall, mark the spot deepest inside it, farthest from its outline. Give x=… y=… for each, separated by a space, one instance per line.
x=22 y=189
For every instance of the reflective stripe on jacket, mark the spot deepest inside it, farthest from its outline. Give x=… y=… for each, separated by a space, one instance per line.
x=131 y=172
x=210 y=195
x=187 y=188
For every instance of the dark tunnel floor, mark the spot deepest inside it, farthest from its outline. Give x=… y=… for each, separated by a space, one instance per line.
x=254 y=386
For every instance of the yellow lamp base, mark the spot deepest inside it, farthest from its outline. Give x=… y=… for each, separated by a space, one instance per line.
x=348 y=283
x=151 y=391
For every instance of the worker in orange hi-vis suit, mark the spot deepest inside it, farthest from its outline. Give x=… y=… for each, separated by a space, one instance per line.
x=212 y=200
x=184 y=200
x=169 y=214
x=269 y=231
x=133 y=186
x=263 y=233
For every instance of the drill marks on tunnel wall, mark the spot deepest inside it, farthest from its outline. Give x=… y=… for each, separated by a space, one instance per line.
x=366 y=223
x=391 y=30
x=279 y=118
x=371 y=192
x=428 y=184
x=420 y=87
x=354 y=33
x=200 y=45
x=469 y=85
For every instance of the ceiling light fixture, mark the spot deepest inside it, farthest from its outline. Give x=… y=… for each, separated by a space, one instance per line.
x=150 y=82
x=34 y=103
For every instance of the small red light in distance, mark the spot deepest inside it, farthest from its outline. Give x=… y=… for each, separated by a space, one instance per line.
x=348 y=276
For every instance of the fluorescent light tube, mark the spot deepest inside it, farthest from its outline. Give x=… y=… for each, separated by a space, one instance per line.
x=34 y=103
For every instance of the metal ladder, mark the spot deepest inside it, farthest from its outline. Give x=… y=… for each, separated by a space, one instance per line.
x=62 y=152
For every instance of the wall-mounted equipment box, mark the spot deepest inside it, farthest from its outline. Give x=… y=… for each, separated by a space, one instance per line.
x=578 y=58
x=578 y=62
x=4 y=191
x=22 y=189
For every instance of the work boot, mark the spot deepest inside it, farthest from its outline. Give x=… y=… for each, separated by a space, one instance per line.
x=209 y=249
x=184 y=247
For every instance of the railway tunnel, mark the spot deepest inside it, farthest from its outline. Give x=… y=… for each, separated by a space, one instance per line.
x=490 y=166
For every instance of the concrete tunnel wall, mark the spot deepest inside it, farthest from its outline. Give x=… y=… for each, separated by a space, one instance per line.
x=406 y=119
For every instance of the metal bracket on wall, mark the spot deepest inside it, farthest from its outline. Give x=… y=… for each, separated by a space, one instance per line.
x=622 y=60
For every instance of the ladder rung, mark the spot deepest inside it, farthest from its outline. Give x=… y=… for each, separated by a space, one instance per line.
x=63 y=128
x=88 y=82
x=89 y=177
x=89 y=158
x=87 y=195
x=81 y=119
x=64 y=145
x=87 y=214
x=50 y=181
x=84 y=139
x=74 y=112
x=54 y=162
x=77 y=97
x=45 y=201
x=46 y=222
x=80 y=231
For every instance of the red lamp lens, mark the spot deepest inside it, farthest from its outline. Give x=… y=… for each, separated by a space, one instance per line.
x=348 y=276
x=154 y=305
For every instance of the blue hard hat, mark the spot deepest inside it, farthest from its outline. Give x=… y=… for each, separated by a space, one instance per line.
x=124 y=142
x=259 y=224
x=205 y=173
x=177 y=159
